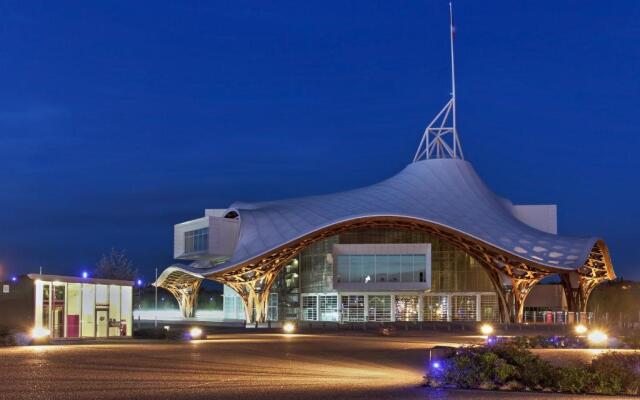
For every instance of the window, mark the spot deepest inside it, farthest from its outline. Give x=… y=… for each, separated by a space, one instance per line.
x=272 y=307
x=196 y=241
x=489 y=308
x=407 y=308
x=352 y=308
x=310 y=308
x=464 y=308
x=381 y=268
x=379 y=308
x=435 y=308
x=328 y=307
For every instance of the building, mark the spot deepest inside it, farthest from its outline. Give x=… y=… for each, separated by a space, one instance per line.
x=67 y=307
x=431 y=243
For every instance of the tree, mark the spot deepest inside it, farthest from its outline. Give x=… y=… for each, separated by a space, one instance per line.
x=116 y=265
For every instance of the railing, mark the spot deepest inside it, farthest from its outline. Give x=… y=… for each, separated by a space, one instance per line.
x=557 y=317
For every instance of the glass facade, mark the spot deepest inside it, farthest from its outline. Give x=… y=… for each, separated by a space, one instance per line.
x=365 y=268
x=196 y=241
x=306 y=289
x=73 y=310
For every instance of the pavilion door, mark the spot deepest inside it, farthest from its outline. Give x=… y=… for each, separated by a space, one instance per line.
x=102 y=323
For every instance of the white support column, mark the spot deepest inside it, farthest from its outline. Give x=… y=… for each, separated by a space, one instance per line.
x=478 y=308
x=421 y=307
x=449 y=308
x=393 y=307
x=366 y=308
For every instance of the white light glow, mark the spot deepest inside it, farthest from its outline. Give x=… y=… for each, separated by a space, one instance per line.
x=486 y=329
x=289 y=327
x=195 y=332
x=39 y=333
x=580 y=329
x=597 y=337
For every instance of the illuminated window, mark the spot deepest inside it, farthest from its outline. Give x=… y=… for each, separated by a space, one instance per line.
x=196 y=241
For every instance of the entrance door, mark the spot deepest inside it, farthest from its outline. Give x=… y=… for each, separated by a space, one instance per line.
x=102 y=323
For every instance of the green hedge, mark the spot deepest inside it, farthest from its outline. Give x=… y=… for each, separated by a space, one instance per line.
x=507 y=367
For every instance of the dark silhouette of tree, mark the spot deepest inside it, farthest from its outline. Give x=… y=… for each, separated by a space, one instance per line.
x=116 y=265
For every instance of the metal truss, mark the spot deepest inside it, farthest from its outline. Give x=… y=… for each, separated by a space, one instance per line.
x=440 y=138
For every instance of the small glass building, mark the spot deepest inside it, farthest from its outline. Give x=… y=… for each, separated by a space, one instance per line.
x=68 y=307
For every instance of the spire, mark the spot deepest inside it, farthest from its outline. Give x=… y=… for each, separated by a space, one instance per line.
x=440 y=139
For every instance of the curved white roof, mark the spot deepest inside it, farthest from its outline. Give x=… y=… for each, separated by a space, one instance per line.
x=441 y=192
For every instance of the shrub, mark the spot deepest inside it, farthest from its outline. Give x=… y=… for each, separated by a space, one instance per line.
x=632 y=341
x=507 y=367
x=616 y=373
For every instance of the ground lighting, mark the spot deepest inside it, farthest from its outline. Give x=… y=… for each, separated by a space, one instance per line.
x=597 y=337
x=195 y=332
x=486 y=329
x=580 y=329
x=289 y=327
x=40 y=333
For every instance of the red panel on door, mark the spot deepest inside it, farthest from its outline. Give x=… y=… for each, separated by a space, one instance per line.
x=73 y=326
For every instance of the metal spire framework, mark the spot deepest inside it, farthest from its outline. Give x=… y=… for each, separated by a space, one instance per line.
x=440 y=139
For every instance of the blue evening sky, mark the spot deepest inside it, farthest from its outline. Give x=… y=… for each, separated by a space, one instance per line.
x=120 y=119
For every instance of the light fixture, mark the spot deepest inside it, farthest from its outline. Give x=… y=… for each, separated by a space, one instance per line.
x=195 y=332
x=597 y=337
x=40 y=333
x=580 y=329
x=85 y=274
x=139 y=282
x=289 y=327
x=14 y=278
x=486 y=329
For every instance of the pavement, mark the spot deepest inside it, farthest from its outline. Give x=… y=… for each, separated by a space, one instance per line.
x=238 y=366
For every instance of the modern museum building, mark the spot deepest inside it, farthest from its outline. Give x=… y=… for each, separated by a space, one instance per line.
x=431 y=243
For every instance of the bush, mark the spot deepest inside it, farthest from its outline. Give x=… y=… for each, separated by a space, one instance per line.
x=632 y=341
x=508 y=367
x=617 y=373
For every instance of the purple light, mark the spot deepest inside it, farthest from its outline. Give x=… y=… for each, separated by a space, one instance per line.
x=85 y=274
x=14 y=279
x=139 y=282
x=436 y=365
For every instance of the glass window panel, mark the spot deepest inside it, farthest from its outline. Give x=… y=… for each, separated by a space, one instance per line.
x=395 y=268
x=379 y=308
x=407 y=308
x=489 y=308
x=407 y=268
x=368 y=268
x=382 y=268
x=310 y=308
x=343 y=269
x=352 y=308
x=463 y=308
x=328 y=307
x=435 y=308
x=114 y=311
x=419 y=267
x=102 y=295
x=126 y=307
x=88 y=310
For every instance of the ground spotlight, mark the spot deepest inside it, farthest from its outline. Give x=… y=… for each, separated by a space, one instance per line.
x=85 y=274
x=40 y=333
x=486 y=329
x=597 y=337
x=580 y=329
x=289 y=327
x=195 y=332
